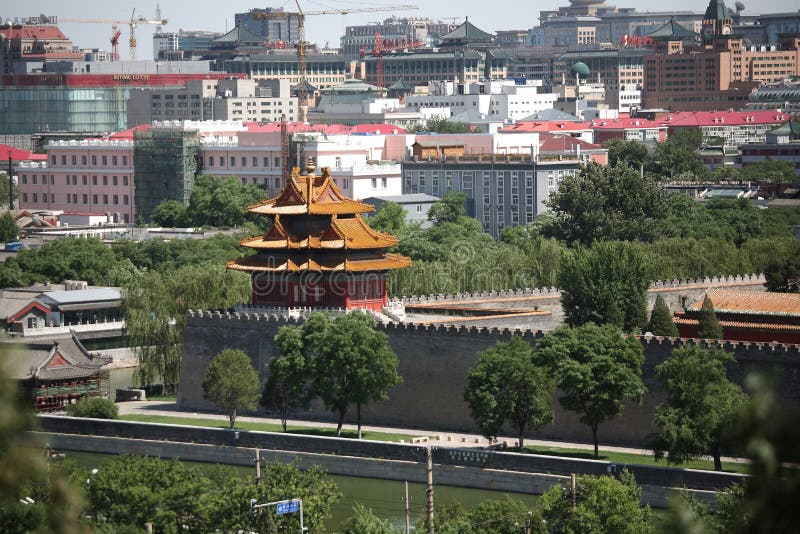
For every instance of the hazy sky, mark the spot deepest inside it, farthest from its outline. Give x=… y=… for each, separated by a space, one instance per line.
x=489 y=15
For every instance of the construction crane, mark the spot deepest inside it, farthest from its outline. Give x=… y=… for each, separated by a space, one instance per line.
x=386 y=45
x=300 y=16
x=115 y=43
x=132 y=23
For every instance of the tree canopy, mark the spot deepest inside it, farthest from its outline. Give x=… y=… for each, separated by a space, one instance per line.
x=601 y=504
x=506 y=386
x=605 y=284
x=612 y=202
x=708 y=326
x=289 y=380
x=353 y=363
x=661 y=323
x=231 y=383
x=9 y=231
x=700 y=406
x=596 y=369
x=448 y=209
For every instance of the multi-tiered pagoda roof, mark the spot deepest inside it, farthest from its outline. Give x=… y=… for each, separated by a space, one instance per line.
x=317 y=228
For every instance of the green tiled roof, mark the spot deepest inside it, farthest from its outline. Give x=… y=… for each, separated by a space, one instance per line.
x=673 y=31
x=716 y=10
x=788 y=128
x=467 y=32
x=238 y=34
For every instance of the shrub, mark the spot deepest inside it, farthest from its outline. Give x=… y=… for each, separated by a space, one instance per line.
x=94 y=407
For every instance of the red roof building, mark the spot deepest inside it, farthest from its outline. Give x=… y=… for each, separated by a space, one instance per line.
x=560 y=145
x=22 y=43
x=736 y=127
x=747 y=316
x=9 y=152
x=629 y=129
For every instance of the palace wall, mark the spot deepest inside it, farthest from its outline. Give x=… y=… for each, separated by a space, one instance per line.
x=434 y=360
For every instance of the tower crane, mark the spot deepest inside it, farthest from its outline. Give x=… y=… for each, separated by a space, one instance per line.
x=300 y=16
x=132 y=23
x=115 y=43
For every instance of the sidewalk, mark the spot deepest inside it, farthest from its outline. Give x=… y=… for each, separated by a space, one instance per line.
x=432 y=437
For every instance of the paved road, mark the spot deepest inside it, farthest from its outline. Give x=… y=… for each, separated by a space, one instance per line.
x=439 y=438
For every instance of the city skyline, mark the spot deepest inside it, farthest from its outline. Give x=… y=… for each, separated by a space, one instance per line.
x=506 y=15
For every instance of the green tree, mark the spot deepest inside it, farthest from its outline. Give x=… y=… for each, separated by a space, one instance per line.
x=497 y=516
x=65 y=259
x=391 y=219
x=506 y=386
x=661 y=323
x=58 y=504
x=777 y=171
x=605 y=284
x=440 y=125
x=135 y=490
x=222 y=201
x=632 y=153
x=227 y=510
x=783 y=276
x=364 y=521
x=700 y=406
x=9 y=231
x=170 y=213
x=353 y=363
x=601 y=504
x=287 y=385
x=155 y=306
x=678 y=155
x=231 y=383
x=94 y=407
x=597 y=368
x=448 y=209
x=607 y=203
x=725 y=173
x=708 y=326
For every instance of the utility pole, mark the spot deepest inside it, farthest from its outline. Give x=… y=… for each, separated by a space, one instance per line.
x=10 y=182
x=408 y=519
x=258 y=466
x=429 y=488
x=574 y=484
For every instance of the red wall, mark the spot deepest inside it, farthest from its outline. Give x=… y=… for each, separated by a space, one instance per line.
x=735 y=334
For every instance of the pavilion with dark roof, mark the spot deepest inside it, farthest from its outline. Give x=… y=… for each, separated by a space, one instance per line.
x=467 y=35
x=57 y=372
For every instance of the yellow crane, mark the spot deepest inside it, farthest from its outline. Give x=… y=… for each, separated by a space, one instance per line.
x=132 y=23
x=301 y=34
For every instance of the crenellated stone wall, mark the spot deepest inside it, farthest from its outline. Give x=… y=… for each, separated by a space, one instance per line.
x=434 y=361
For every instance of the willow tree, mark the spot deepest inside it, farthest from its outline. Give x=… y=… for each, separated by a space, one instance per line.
x=155 y=307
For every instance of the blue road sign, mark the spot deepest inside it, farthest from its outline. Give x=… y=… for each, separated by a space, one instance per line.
x=287 y=507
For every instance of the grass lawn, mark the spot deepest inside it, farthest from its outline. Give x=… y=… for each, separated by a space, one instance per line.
x=264 y=427
x=632 y=458
x=172 y=398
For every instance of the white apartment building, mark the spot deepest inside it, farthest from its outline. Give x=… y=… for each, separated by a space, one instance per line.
x=496 y=98
x=357 y=163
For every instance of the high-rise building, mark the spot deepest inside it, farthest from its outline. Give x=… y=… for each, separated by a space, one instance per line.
x=425 y=30
x=718 y=73
x=277 y=27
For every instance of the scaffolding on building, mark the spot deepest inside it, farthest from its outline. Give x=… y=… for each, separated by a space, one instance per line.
x=166 y=161
x=56 y=396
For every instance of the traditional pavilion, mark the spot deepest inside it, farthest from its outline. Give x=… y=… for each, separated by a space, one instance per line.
x=319 y=252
